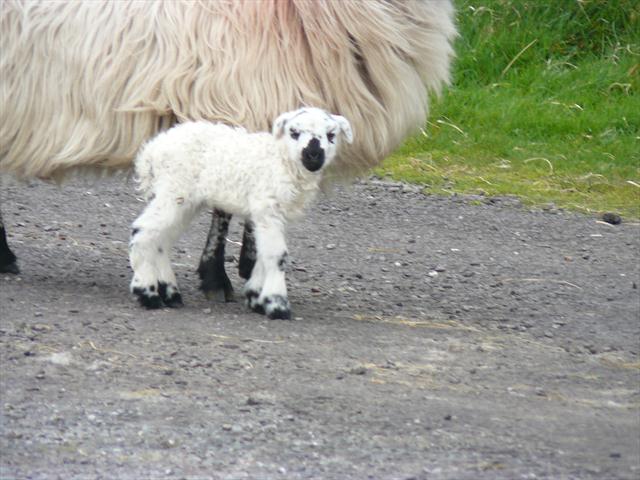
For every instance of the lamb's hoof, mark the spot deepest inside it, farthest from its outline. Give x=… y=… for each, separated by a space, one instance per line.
x=279 y=314
x=277 y=307
x=252 y=301
x=10 y=268
x=175 y=301
x=148 y=300
x=170 y=295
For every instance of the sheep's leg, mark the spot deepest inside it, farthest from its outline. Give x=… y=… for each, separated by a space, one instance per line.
x=7 y=258
x=142 y=257
x=253 y=287
x=215 y=282
x=167 y=283
x=248 y=251
x=153 y=235
x=268 y=277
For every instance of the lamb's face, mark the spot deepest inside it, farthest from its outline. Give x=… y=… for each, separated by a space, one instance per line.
x=312 y=136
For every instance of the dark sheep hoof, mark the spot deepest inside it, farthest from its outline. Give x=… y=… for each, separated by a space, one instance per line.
x=214 y=281
x=10 y=268
x=221 y=295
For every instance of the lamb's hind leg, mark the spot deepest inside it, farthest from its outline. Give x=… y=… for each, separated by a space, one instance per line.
x=7 y=258
x=215 y=282
x=152 y=238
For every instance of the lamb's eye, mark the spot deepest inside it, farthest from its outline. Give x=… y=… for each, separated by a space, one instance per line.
x=331 y=136
x=294 y=134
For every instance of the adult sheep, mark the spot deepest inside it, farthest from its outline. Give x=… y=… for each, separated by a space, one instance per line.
x=83 y=84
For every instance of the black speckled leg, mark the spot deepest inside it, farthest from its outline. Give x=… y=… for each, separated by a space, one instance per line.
x=214 y=280
x=7 y=258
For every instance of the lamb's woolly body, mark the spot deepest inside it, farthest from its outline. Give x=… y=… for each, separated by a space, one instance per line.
x=199 y=163
x=85 y=83
x=266 y=178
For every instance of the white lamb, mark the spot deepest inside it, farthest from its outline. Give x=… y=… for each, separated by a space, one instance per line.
x=266 y=178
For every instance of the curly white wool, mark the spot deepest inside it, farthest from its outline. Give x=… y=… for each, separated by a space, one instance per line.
x=267 y=178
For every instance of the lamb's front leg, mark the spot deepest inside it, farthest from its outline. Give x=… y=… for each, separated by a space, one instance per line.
x=267 y=289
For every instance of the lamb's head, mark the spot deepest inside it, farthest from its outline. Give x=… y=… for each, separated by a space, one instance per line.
x=312 y=136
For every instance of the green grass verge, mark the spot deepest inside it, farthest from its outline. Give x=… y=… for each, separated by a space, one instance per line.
x=558 y=121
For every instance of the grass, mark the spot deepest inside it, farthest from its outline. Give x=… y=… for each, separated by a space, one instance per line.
x=545 y=105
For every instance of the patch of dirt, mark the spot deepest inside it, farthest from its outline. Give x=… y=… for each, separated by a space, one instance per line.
x=432 y=338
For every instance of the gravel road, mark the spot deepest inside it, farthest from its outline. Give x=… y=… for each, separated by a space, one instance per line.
x=433 y=338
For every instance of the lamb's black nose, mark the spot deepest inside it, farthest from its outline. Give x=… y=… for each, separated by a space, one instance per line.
x=313 y=155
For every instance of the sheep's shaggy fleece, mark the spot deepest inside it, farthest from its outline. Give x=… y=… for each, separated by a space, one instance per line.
x=84 y=83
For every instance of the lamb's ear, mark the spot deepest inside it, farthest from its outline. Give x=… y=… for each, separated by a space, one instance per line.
x=279 y=123
x=345 y=127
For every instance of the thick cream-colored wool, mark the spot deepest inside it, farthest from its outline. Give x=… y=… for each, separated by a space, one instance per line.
x=84 y=83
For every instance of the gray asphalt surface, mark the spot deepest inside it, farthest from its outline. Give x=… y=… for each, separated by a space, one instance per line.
x=433 y=338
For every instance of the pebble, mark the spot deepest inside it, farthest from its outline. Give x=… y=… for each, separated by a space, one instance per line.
x=591 y=349
x=359 y=370
x=60 y=358
x=612 y=218
x=168 y=443
x=260 y=398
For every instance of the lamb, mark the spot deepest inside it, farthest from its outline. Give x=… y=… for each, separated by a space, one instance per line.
x=84 y=84
x=267 y=178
